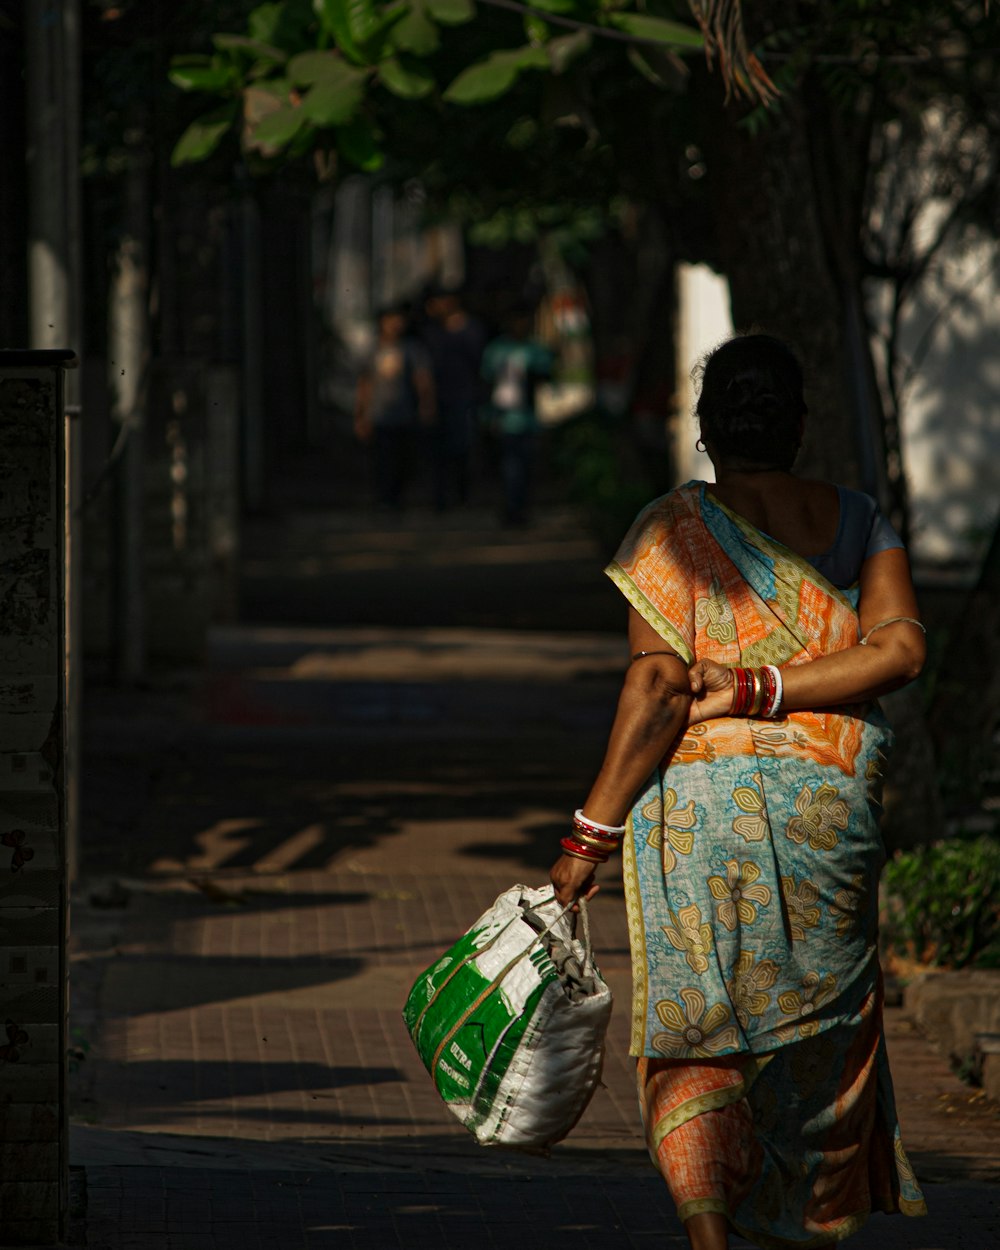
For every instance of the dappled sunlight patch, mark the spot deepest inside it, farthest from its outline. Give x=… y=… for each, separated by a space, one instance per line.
x=216 y=844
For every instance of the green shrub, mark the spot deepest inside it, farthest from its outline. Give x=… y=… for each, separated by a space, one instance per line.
x=594 y=455
x=941 y=903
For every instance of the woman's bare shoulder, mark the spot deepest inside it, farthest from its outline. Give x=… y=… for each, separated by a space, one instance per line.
x=817 y=486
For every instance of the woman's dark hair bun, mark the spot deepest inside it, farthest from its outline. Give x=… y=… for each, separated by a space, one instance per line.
x=751 y=403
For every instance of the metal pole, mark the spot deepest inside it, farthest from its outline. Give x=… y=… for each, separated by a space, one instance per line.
x=52 y=79
x=72 y=113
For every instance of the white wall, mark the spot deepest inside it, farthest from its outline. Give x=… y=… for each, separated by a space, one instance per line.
x=703 y=322
x=951 y=412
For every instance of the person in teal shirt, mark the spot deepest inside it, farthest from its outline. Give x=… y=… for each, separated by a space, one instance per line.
x=513 y=365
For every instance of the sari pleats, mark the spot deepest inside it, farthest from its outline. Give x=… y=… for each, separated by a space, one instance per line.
x=699 y=1130
x=759 y=1140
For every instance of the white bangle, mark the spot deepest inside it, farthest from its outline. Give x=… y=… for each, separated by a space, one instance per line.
x=893 y=620
x=594 y=824
x=779 y=690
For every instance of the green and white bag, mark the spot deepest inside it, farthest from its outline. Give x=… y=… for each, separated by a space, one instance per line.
x=510 y=1022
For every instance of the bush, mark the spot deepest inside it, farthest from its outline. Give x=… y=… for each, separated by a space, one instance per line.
x=941 y=903
x=594 y=455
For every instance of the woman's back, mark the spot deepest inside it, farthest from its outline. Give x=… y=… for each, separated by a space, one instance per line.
x=801 y=513
x=834 y=528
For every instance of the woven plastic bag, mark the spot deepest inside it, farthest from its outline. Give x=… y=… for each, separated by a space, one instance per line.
x=510 y=1022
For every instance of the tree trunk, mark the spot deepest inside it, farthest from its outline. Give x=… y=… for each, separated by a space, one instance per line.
x=128 y=362
x=965 y=713
x=787 y=217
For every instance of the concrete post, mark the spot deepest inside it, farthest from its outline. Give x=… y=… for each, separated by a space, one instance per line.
x=34 y=1164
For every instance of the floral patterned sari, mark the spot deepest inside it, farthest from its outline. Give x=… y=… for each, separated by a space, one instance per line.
x=751 y=871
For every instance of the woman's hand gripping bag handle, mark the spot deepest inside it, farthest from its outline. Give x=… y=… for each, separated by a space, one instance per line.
x=511 y=1021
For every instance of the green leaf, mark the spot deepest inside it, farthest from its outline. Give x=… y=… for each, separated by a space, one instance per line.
x=326 y=67
x=658 y=30
x=262 y=99
x=276 y=130
x=564 y=50
x=257 y=49
x=263 y=22
x=536 y=28
x=333 y=17
x=291 y=26
x=203 y=136
x=209 y=77
x=358 y=143
x=482 y=82
x=363 y=19
x=333 y=104
x=528 y=58
x=415 y=33
x=489 y=79
x=450 y=12
x=662 y=69
x=409 y=80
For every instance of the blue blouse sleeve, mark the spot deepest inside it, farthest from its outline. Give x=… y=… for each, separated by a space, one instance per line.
x=863 y=531
x=881 y=536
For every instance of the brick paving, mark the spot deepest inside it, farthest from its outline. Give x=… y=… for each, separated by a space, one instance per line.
x=274 y=848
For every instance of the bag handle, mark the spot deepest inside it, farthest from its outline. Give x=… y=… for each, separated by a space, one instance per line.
x=588 y=948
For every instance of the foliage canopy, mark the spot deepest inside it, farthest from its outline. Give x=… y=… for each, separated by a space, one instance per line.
x=324 y=74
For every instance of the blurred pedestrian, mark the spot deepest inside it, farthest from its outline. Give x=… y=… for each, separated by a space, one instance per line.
x=513 y=365
x=742 y=780
x=395 y=399
x=454 y=340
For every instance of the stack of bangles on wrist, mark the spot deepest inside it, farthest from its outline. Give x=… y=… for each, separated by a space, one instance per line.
x=757 y=692
x=591 y=840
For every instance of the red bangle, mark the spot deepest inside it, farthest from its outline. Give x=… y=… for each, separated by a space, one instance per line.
x=744 y=692
x=579 y=851
x=750 y=689
x=603 y=849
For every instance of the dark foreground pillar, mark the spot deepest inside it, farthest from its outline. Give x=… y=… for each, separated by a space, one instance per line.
x=34 y=1165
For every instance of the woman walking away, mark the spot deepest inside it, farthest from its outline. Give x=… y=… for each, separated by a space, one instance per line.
x=742 y=778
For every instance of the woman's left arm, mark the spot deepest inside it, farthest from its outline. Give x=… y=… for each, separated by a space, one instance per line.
x=893 y=655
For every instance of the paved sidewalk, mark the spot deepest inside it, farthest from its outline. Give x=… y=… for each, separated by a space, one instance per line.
x=275 y=848
x=185 y=1209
